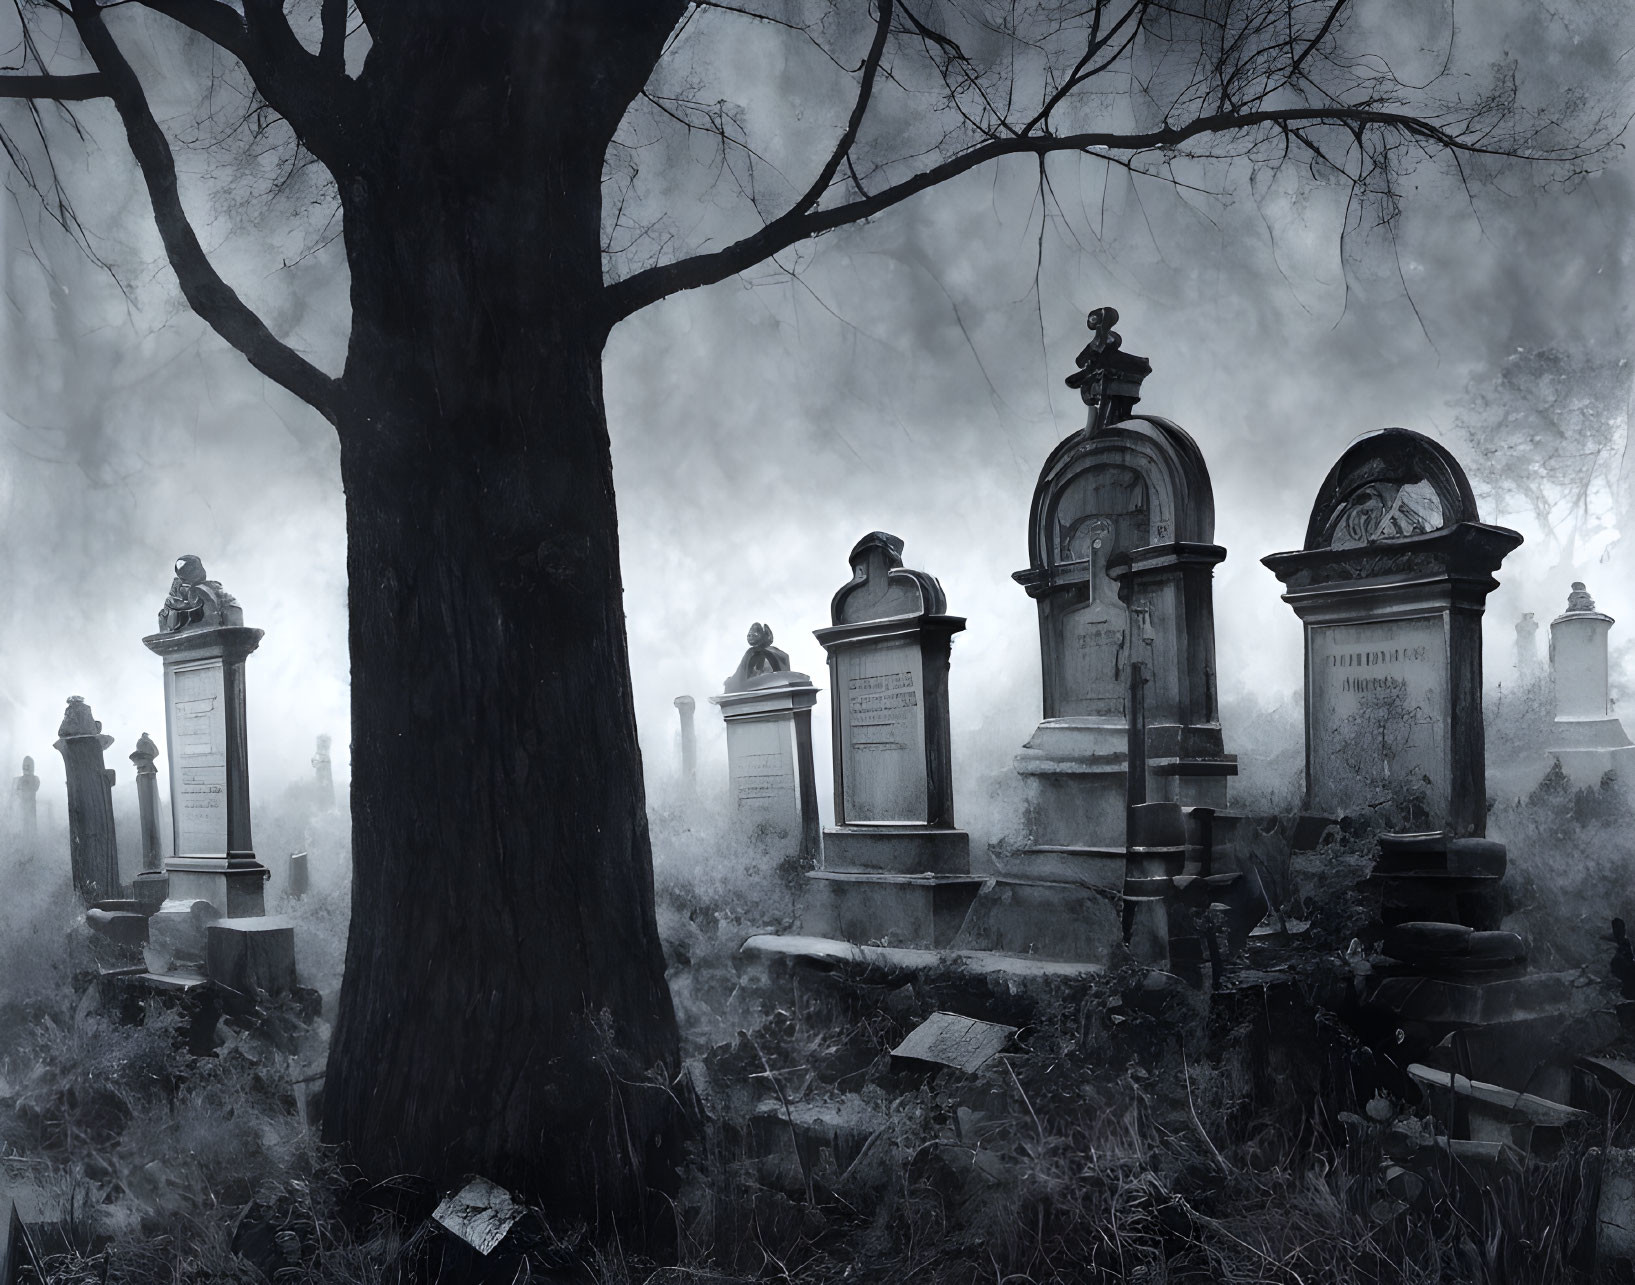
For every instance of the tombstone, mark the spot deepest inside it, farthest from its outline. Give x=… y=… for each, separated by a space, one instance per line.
x=93 y=848
x=1391 y=586
x=300 y=874
x=689 y=743
x=27 y=788
x=323 y=776
x=767 y=709
x=893 y=863
x=1527 y=667
x=1587 y=739
x=204 y=643
x=152 y=885
x=1121 y=557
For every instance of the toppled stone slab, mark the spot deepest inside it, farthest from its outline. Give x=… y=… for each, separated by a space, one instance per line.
x=948 y=1039
x=1528 y=1107
x=480 y=1213
x=903 y=962
x=1434 y=999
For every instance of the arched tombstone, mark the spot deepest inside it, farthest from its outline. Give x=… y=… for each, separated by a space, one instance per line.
x=894 y=866
x=1121 y=556
x=1587 y=738
x=1391 y=586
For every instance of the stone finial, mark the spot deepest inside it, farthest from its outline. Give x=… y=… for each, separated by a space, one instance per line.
x=195 y=602
x=28 y=765
x=77 y=720
x=1579 y=599
x=145 y=753
x=1108 y=378
x=686 y=704
x=762 y=658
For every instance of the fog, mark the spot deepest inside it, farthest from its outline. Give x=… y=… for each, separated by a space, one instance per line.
x=903 y=376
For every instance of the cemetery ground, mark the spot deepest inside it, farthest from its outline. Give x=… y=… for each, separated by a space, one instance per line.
x=1133 y=1127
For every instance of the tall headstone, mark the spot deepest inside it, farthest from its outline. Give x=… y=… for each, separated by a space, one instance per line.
x=323 y=773
x=685 y=706
x=1587 y=739
x=152 y=884
x=893 y=864
x=93 y=847
x=1391 y=586
x=1121 y=555
x=767 y=709
x=28 y=822
x=204 y=643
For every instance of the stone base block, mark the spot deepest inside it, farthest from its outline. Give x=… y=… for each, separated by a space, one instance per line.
x=1427 y=999
x=124 y=927
x=151 y=889
x=1586 y=767
x=896 y=849
x=176 y=934
x=1066 y=922
x=923 y=911
x=236 y=889
x=1083 y=808
x=255 y=954
x=1080 y=867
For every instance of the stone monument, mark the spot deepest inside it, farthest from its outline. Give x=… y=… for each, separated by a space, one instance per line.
x=153 y=884
x=1587 y=739
x=1121 y=556
x=1527 y=647
x=767 y=709
x=28 y=822
x=323 y=774
x=204 y=643
x=893 y=863
x=93 y=848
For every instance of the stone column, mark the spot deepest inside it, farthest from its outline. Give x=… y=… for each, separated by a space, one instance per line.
x=323 y=774
x=93 y=851
x=204 y=644
x=1586 y=738
x=28 y=823
x=689 y=743
x=152 y=885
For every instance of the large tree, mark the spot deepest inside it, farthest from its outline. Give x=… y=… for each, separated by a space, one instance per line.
x=514 y=177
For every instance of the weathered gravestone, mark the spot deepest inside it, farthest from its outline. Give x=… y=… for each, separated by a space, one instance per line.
x=27 y=788
x=93 y=847
x=1391 y=586
x=152 y=884
x=1527 y=647
x=1587 y=739
x=767 y=709
x=204 y=643
x=1121 y=557
x=893 y=864
x=323 y=773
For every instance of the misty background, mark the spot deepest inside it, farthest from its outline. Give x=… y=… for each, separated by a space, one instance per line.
x=904 y=376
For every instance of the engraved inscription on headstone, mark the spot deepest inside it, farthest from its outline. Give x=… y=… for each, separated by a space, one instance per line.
x=198 y=731
x=882 y=733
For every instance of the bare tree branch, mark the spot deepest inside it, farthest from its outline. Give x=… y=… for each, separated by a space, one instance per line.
x=208 y=295
x=64 y=89
x=651 y=284
x=860 y=108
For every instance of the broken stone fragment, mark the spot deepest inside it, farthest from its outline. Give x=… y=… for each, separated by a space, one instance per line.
x=480 y=1213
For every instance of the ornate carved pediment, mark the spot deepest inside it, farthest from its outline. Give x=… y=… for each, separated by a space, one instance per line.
x=881 y=588
x=195 y=602
x=762 y=665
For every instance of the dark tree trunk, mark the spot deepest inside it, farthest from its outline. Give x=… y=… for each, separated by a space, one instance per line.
x=504 y=1009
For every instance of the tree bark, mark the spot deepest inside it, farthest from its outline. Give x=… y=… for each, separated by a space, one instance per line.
x=504 y=1009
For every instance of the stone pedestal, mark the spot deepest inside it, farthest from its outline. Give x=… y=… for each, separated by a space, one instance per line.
x=152 y=885
x=207 y=746
x=1586 y=738
x=249 y=955
x=894 y=865
x=685 y=705
x=1121 y=557
x=93 y=848
x=767 y=710
x=27 y=788
x=323 y=773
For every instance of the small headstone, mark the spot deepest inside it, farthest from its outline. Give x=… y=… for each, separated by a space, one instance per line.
x=27 y=788
x=1587 y=739
x=93 y=847
x=300 y=875
x=204 y=644
x=323 y=773
x=767 y=709
x=948 y=1039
